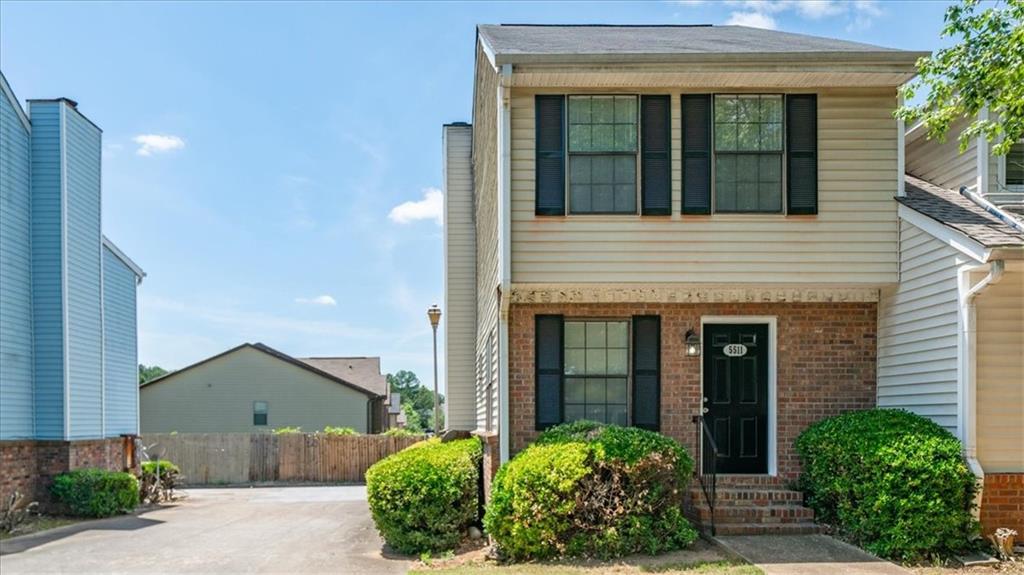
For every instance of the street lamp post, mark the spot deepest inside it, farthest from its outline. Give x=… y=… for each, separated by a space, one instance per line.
x=434 y=313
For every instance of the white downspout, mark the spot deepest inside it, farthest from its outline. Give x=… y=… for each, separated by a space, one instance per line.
x=969 y=363
x=504 y=253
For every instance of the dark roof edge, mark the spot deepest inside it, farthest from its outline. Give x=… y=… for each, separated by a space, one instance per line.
x=273 y=353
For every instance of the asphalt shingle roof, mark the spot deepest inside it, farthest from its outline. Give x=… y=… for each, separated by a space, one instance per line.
x=960 y=213
x=513 y=39
x=361 y=371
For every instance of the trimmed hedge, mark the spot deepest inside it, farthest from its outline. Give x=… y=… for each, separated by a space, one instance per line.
x=97 y=492
x=424 y=497
x=893 y=481
x=584 y=489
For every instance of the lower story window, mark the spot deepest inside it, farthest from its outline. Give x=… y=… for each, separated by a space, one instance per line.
x=596 y=371
x=259 y=413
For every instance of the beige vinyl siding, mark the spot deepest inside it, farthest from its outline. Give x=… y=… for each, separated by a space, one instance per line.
x=459 y=280
x=852 y=240
x=485 y=184
x=218 y=396
x=941 y=163
x=1000 y=372
x=917 y=330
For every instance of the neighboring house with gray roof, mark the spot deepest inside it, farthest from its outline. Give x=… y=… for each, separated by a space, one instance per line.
x=253 y=388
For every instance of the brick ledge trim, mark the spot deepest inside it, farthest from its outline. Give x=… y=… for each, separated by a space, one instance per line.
x=687 y=293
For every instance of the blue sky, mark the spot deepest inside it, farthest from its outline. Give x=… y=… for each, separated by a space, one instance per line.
x=255 y=154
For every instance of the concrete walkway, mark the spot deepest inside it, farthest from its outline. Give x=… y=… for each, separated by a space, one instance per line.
x=245 y=530
x=807 y=555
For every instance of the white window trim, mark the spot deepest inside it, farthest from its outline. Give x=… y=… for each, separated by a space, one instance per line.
x=784 y=156
x=772 y=323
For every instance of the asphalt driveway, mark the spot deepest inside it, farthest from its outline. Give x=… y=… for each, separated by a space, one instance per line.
x=237 y=530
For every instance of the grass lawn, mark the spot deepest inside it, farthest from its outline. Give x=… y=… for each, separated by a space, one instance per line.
x=40 y=523
x=701 y=558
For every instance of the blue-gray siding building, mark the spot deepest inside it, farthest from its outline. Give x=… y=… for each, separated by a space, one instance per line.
x=68 y=329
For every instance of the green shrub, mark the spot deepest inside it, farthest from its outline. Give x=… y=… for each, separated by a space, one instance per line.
x=400 y=432
x=286 y=430
x=152 y=490
x=893 y=481
x=424 y=497
x=329 y=430
x=97 y=492
x=586 y=489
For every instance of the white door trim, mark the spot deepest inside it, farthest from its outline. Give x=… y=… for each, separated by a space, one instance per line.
x=772 y=323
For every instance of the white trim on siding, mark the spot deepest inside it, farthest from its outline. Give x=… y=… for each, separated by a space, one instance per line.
x=945 y=234
x=64 y=266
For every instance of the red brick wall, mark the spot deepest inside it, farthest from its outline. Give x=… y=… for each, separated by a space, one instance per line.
x=491 y=459
x=28 y=466
x=1002 y=503
x=826 y=364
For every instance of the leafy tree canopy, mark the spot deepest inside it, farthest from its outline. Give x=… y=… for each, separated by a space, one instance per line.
x=984 y=69
x=148 y=372
x=418 y=397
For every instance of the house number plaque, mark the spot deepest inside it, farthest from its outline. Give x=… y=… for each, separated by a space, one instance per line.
x=735 y=350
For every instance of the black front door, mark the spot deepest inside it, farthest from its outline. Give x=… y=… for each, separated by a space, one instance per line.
x=736 y=395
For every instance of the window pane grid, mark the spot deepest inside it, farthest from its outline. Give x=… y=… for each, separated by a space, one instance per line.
x=1015 y=167
x=596 y=370
x=603 y=143
x=748 y=153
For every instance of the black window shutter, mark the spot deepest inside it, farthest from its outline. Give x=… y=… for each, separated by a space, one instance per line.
x=550 y=156
x=647 y=372
x=655 y=163
x=802 y=154
x=548 y=360
x=696 y=153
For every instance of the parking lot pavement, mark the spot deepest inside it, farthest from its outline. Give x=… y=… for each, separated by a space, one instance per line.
x=236 y=530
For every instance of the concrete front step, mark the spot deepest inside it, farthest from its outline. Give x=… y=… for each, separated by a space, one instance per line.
x=805 y=528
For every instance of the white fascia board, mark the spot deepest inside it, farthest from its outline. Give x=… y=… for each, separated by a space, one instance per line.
x=945 y=234
x=7 y=91
x=124 y=258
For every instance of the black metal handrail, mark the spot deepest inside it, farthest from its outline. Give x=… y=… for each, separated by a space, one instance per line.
x=707 y=470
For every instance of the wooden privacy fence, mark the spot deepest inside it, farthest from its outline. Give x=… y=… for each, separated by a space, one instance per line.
x=218 y=458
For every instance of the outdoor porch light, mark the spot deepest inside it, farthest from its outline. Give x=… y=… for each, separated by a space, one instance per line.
x=692 y=344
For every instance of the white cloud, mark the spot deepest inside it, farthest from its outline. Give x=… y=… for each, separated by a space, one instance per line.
x=431 y=207
x=762 y=13
x=751 y=19
x=318 y=300
x=815 y=9
x=150 y=144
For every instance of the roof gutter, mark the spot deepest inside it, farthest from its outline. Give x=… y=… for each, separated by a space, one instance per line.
x=899 y=58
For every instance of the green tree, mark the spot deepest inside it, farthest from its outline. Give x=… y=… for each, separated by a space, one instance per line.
x=149 y=372
x=985 y=68
x=418 y=396
x=412 y=418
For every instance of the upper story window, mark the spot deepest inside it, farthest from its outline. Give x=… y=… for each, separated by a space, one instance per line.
x=259 y=412
x=602 y=154
x=748 y=153
x=1015 y=168
x=738 y=153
